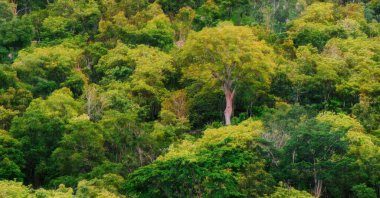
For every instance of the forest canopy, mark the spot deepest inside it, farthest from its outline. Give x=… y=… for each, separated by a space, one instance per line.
x=190 y=98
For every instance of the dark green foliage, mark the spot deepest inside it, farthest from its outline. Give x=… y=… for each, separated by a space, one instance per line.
x=153 y=37
x=7 y=77
x=39 y=136
x=362 y=191
x=5 y=10
x=206 y=176
x=373 y=10
x=172 y=7
x=11 y=161
x=201 y=114
x=310 y=150
x=369 y=114
x=282 y=87
x=208 y=15
x=16 y=99
x=80 y=149
x=15 y=34
x=317 y=38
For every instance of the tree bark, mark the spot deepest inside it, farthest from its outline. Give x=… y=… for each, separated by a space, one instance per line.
x=229 y=94
x=317 y=183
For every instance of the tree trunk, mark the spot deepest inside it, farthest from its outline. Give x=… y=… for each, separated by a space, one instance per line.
x=317 y=188
x=229 y=104
x=317 y=183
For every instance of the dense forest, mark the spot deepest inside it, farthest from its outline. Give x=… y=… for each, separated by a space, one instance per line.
x=190 y=98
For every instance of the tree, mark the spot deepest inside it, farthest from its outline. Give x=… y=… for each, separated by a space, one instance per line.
x=11 y=161
x=255 y=181
x=107 y=186
x=362 y=191
x=149 y=26
x=6 y=116
x=46 y=68
x=147 y=81
x=211 y=166
x=228 y=56
x=207 y=15
x=182 y=24
x=363 y=153
x=15 y=34
x=281 y=122
x=123 y=134
x=358 y=67
x=80 y=149
x=115 y=65
x=15 y=189
x=40 y=129
x=67 y=18
x=16 y=99
x=311 y=154
x=284 y=191
x=322 y=21
x=6 y=11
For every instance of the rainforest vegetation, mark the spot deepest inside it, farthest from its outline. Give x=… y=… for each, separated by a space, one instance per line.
x=190 y=98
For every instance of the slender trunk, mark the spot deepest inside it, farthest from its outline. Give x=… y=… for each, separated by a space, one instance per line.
x=318 y=188
x=140 y=153
x=317 y=183
x=229 y=104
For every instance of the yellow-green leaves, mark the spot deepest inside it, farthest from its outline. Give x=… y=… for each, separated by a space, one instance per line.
x=151 y=64
x=363 y=148
x=289 y=192
x=143 y=66
x=323 y=21
x=239 y=134
x=60 y=104
x=14 y=189
x=45 y=68
x=214 y=52
x=116 y=64
x=316 y=15
x=360 y=62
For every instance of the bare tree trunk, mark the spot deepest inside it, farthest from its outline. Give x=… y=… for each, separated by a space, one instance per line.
x=317 y=183
x=318 y=188
x=229 y=93
x=140 y=153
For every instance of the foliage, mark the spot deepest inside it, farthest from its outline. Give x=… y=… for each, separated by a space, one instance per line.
x=213 y=51
x=363 y=191
x=12 y=158
x=13 y=189
x=283 y=191
x=41 y=127
x=107 y=186
x=210 y=162
x=15 y=34
x=80 y=149
x=230 y=57
x=16 y=189
x=129 y=98
x=45 y=69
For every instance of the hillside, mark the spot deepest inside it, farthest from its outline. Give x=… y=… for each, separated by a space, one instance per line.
x=190 y=98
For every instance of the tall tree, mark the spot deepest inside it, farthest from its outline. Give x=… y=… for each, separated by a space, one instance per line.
x=229 y=56
x=313 y=154
x=40 y=129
